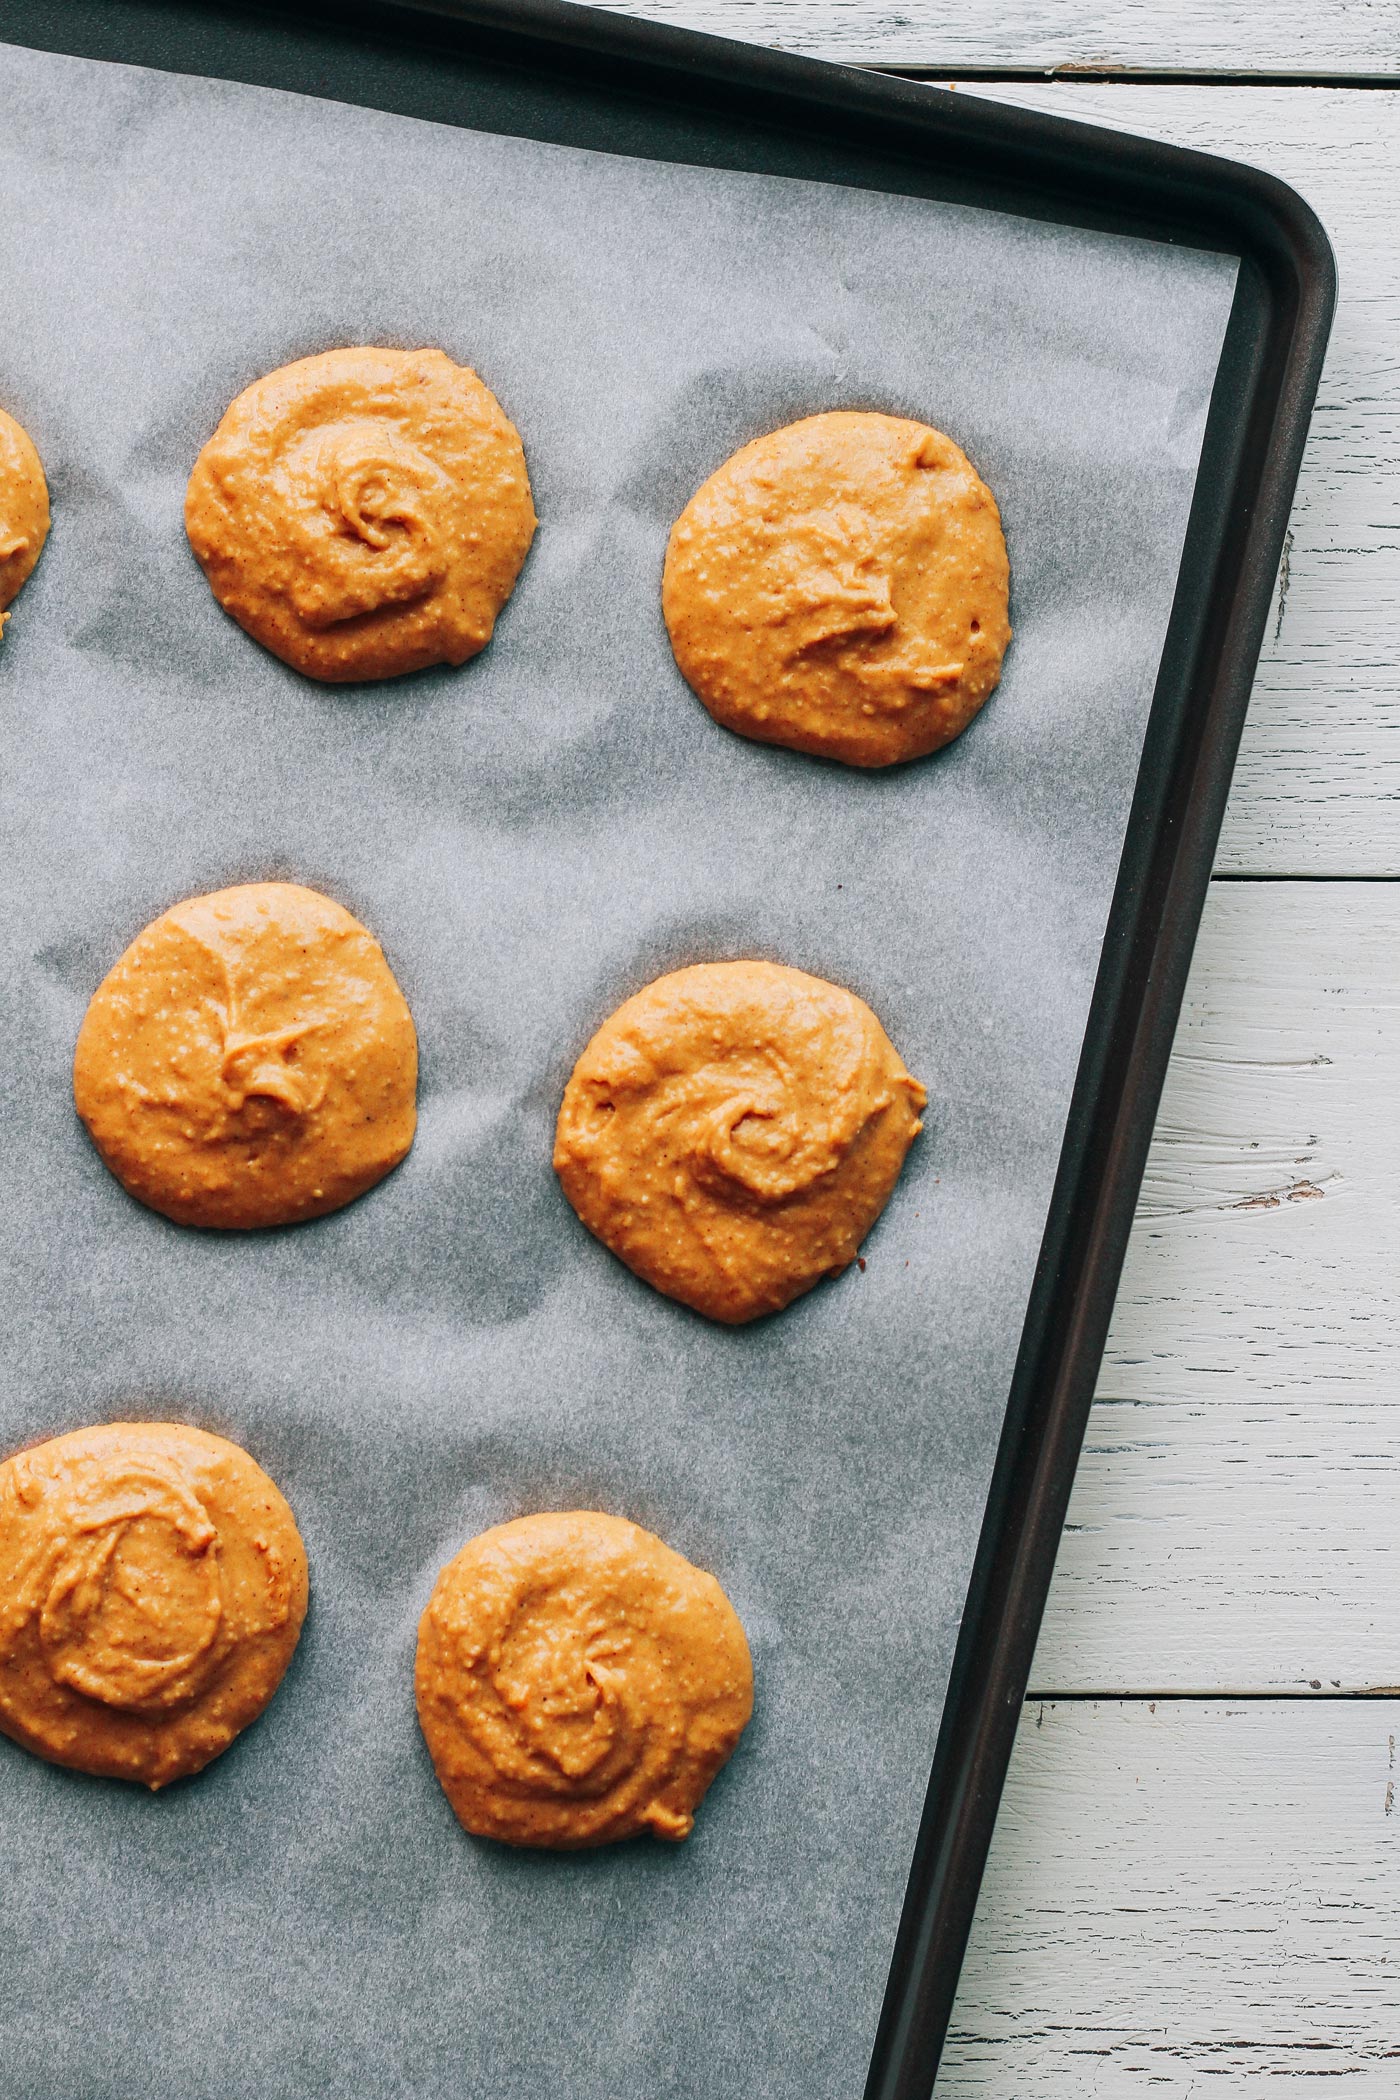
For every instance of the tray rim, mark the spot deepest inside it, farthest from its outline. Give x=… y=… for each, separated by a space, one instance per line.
x=978 y=150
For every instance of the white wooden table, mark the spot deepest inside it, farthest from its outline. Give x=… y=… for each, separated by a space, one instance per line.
x=1195 y=1884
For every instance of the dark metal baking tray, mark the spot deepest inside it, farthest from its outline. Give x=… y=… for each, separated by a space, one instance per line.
x=551 y=71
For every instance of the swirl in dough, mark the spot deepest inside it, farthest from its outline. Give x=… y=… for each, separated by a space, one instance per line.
x=152 y=1589
x=249 y=1060
x=733 y=1131
x=363 y=513
x=24 y=509
x=578 y=1682
x=840 y=586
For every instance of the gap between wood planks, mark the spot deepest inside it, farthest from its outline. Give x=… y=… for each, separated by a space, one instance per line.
x=1309 y=1694
x=1305 y=875
x=1135 y=76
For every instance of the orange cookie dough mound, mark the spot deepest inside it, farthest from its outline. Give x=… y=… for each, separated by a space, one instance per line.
x=152 y=1589
x=249 y=1060
x=363 y=513
x=579 y=1682
x=733 y=1132
x=840 y=586
x=24 y=509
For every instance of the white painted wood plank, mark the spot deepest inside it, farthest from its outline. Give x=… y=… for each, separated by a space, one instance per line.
x=1309 y=36
x=1236 y=1519
x=1197 y=1899
x=1317 y=790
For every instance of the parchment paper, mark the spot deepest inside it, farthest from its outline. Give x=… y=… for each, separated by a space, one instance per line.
x=532 y=838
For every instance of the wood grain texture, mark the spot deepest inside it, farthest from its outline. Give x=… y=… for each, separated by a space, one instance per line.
x=1187 y=1900
x=1329 y=36
x=1316 y=787
x=1236 y=1518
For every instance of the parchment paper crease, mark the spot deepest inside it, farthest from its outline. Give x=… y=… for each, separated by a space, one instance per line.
x=532 y=838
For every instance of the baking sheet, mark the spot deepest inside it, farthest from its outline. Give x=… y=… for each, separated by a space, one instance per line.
x=532 y=838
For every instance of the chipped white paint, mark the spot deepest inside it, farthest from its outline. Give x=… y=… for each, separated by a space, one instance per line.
x=1192 y=1900
x=1236 y=1520
x=1307 y=36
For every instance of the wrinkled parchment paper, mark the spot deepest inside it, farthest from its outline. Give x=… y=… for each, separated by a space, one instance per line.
x=532 y=838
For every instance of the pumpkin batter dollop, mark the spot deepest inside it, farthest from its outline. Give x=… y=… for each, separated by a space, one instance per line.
x=152 y=1590
x=24 y=509
x=579 y=1682
x=363 y=513
x=249 y=1061
x=733 y=1131
x=840 y=586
